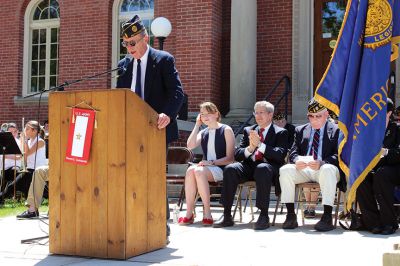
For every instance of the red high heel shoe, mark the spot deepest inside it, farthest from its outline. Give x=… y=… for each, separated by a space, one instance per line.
x=207 y=222
x=185 y=220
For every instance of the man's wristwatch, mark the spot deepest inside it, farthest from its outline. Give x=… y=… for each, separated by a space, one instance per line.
x=212 y=162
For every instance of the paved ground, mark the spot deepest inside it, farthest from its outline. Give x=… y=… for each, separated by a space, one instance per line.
x=197 y=245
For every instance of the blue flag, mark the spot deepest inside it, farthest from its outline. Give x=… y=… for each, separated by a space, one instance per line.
x=356 y=83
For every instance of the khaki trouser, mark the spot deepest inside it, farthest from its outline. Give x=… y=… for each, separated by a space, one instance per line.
x=327 y=177
x=39 y=178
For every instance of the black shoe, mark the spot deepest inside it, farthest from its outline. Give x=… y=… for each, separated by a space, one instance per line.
x=28 y=215
x=325 y=224
x=290 y=222
x=388 y=229
x=376 y=230
x=309 y=213
x=224 y=221
x=262 y=223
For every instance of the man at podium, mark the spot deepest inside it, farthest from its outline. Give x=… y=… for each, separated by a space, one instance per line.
x=152 y=75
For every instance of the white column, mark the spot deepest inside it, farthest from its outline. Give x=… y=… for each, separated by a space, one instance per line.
x=243 y=58
x=302 y=59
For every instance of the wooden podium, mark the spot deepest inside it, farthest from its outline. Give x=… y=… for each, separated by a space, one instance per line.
x=113 y=207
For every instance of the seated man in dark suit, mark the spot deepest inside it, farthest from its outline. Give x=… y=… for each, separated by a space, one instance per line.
x=379 y=184
x=318 y=140
x=261 y=152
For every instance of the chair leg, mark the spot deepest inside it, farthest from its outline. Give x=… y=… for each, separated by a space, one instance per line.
x=247 y=198
x=181 y=197
x=245 y=203
x=300 y=202
x=278 y=201
x=251 y=204
x=238 y=201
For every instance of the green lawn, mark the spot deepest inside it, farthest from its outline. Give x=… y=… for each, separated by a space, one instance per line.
x=13 y=207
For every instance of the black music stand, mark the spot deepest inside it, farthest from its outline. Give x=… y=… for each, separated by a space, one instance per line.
x=8 y=145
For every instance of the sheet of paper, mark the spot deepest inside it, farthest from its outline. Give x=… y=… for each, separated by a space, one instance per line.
x=306 y=159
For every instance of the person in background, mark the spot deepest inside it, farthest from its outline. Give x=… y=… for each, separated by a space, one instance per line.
x=35 y=194
x=262 y=151
x=12 y=162
x=279 y=119
x=34 y=153
x=378 y=188
x=318 y=140
x=217 y=141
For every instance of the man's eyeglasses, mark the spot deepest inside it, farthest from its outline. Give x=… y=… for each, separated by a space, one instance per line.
x=314 y=116
x=259 y=113
x=131 y=43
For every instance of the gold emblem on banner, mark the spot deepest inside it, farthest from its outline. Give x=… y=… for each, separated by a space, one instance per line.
x=332 y=43
x=378 y=29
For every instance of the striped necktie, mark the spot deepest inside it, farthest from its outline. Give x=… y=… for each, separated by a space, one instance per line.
x=315 y=145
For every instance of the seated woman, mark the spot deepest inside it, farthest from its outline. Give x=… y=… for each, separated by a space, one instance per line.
x=218 y=143
x=34 y=152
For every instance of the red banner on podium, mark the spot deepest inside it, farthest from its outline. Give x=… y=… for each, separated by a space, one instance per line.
x=80 y=135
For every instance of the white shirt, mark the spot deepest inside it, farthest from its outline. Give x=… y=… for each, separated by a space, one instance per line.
x=40 y=157
x=211 y=155
x=143 y=64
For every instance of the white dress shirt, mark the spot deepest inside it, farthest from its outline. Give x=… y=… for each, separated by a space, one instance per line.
x=143 y=64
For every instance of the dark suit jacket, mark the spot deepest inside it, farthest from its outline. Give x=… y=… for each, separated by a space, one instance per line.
x=276 y=142
x=329 y=147
x=162 y=87
x=290 y=128
x=392 y=143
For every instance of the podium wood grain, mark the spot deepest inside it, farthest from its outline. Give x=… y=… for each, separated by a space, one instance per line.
x=113 y=207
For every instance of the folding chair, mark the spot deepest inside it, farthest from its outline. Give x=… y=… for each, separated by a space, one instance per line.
x=250 y=186
x=301 y=200
x=178 y=159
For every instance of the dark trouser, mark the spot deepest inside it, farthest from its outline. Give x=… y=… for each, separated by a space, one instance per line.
x=237 y=173
x=379 y=187
x=22 y=181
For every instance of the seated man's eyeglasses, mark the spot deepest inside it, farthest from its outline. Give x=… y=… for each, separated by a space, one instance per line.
x=131 y=43
x=260 y=113
x=314 y=116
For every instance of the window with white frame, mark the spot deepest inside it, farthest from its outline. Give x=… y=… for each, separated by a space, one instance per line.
x=42 y=24
x=128 y=8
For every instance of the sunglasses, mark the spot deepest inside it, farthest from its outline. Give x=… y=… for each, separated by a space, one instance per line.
x=314 y=116
x=131 y=43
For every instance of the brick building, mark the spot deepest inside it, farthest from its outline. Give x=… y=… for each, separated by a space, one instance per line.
x=217 y=44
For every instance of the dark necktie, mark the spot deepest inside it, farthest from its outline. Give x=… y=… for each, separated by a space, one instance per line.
x=138 y=86
x=259 y=155
x=315 y=145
